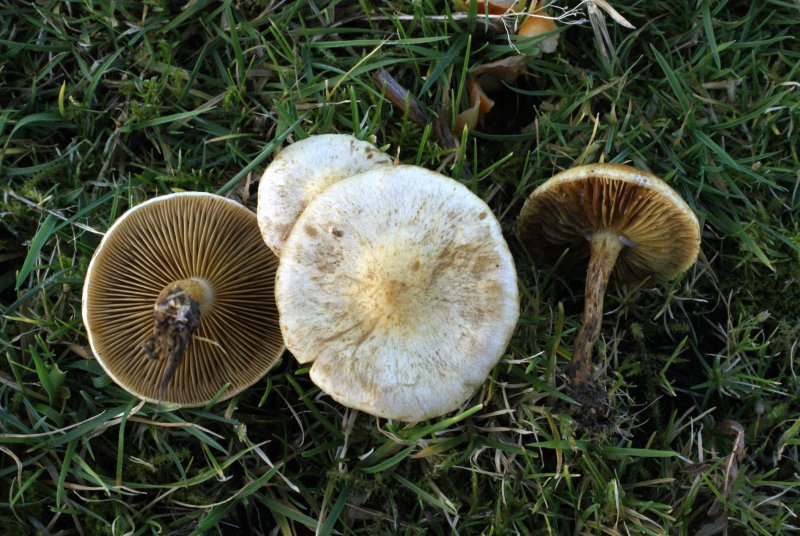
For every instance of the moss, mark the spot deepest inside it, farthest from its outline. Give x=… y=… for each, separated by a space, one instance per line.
x=186 y=181
x=772 y=296
x=194 y=495
x=54 y=175
x=637 y=333
x=95 y=527
x=162 y=461
x=756 y=289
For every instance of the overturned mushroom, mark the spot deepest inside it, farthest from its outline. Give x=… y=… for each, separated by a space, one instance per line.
x=623 y=219
x=398 y=286
x=178 y=300
x=303 y=170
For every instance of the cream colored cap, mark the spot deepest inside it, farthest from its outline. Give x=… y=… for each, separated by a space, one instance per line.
x=399 y=286
x=301 y=171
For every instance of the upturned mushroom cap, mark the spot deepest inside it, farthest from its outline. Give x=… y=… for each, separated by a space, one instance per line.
x=184 y=236
x=399 y=286
x=301 y=171
x=660 y=231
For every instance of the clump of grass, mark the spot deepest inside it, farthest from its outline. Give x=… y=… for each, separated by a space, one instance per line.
x=107 y=104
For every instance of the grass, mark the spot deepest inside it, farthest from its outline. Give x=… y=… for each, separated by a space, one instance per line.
x=105 y=104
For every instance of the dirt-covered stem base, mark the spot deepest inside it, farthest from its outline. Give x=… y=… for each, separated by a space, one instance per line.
x=176 y=316
x=594 y=410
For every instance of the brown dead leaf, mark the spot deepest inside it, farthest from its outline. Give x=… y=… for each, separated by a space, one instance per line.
x=729 y=427
x=487 y=77
x=400 y=96
x=504 y=70
x=538 y=22
x=83 y=351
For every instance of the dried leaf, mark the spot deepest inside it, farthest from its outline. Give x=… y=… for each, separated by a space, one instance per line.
x=694 y=469
x=505 y=70
x=487 y=77
x=480 y=104
x=714 y=527
x=730 y=427
x=718 y=509
x=736 y=456
x=400 y=96
x=443 y=135
x=468 y=119
x=83 y=351
x=600 y=30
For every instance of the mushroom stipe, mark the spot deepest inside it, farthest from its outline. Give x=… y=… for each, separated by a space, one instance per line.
x=177 y=317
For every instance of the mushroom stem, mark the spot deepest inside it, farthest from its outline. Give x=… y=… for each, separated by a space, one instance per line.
x=605 y=248
x=196 y=288
x=176 y=314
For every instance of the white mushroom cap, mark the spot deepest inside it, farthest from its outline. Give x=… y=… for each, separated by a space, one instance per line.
x=399 y=286
x=301 y=171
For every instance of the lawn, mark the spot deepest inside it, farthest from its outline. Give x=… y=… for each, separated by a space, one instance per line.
x=104 y=105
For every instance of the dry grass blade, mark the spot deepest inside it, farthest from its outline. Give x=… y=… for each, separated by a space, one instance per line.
x=597 y=19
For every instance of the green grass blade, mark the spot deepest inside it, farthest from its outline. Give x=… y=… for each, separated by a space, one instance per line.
x=333 y=516
x=42 y=235
x=265 y=152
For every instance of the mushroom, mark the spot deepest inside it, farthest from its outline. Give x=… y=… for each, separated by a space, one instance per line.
x=487 y=78
x=397 y=284
x=186 y=278
x=301 y=171
x=537 y=23
x=623 y=219
x=492 y=7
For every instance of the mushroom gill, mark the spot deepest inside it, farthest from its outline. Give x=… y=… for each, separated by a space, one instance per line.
x=152 y=263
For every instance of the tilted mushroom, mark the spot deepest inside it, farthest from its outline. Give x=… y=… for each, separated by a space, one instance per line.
x=185 y=278
x=301 y=171
x=397 y=284
x=623 y=219
x=540 y=23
